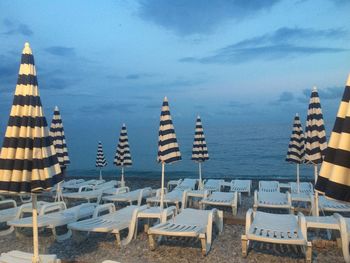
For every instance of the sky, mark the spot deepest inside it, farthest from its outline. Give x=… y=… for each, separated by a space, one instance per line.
x=104 y=63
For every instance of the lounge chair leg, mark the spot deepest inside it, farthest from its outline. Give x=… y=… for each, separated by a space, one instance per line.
x=234 y=210
x=204 y=246
x=152 y=244
x=117 y=240
x=309 y=252
x=244 y=245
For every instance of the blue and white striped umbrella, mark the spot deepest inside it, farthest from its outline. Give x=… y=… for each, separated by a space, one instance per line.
x=122 y=156
x=100 y=158
x=168 y=148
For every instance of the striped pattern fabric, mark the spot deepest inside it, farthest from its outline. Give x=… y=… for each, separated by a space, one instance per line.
x=28 y=160
x=122 y=155
x=315 y=133
x=199 y=149
x=58 y=138
x=168 y=148
x=100 y=157
x=296 y=147
x=334 y=177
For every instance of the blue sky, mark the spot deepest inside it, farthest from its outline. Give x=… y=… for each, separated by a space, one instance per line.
x=108 y=62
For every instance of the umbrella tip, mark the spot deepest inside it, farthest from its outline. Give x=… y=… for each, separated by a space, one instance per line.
x=314 y=88
x=165 y=98
x=56 y=108
x=296 y=114
x=198 y=117
x=26 y=44
x=124 y=125
x=27 y=49
x=348 y=81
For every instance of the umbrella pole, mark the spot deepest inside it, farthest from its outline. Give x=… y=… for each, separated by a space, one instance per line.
x=162 y=188
x=100 y=173
x=200 y=185
x=122 y=181
x=35 y=230
x=298 y=179
x=317 y=212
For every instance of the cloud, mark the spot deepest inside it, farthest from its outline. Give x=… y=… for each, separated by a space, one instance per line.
x=61 y=51
x=109 y=107
x=283 y=43
x=187 y=17
x=284 y=97
x=15 y=28
x=329 y=93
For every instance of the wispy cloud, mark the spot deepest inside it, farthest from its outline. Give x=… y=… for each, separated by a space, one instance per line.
x=61 y=51
x=187 y=17
x=283 y=43
x=109 y=107
x=329 y=93
x=16 y=28
x=284 y=97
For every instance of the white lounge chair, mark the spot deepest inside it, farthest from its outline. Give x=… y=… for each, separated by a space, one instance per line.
x=276 y=228
x=130 y=197
x=75 y=187
x=241 y=186
x=213 y=185
x=189 y=223
x=54 y=215
x=221 y=199
x=174 y=197
x=344 y=227
x=187 y=184
x=16 y=256
x=173 y=183
x=304 y=188
x=113 y=222
x=273 y=200
x=332 y=206
x=269 y=186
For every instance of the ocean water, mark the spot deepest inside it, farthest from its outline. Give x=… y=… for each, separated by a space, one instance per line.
x=251 y=151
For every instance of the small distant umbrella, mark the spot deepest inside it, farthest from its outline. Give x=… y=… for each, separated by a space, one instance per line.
x=28 y=160
x=100 y=158
x=296 y=147
x=168 y=148
x=315 y=133
x=122 y=156
x=334 y=178
x=199 y=149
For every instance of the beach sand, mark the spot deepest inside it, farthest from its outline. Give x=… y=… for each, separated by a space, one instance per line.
x=226 y=246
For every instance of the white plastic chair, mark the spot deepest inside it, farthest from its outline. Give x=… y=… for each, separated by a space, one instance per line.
x=130 y=197
x=221 y=199
x=273 y=200
x=241 y=186
x=16 y=256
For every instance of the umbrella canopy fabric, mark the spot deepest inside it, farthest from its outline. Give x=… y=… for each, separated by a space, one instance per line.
x=28 y=160
x=315 y=133
x=100 y=157
x=59 y=139
x=296 y=147
x=122 y=155
x=334 y=177
x=199 y=149
x=168 y=148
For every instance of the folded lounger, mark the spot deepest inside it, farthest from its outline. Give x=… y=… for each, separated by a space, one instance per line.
x=221 y=199
x=273 y=200
x=276 y=228
x=189 y=223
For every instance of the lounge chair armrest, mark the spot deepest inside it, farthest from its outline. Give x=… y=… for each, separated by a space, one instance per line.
x=85 y=188
x=248 y=220
x=100 y=208
x=235 y=198
x=123 y=189
x=47 y=208
x=166 y=211
x=255 y=197
x=302 y=224
x=8 y=202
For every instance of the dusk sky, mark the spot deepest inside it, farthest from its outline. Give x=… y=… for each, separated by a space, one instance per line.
x=104 y=63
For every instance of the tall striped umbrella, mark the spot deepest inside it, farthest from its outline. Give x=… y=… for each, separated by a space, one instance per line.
x=122 y=156
x=28 y=160
x=334 y=178
x=199 y=149
x=168 y=148
x=296 y=147
x=100 y=158
x=315 y=133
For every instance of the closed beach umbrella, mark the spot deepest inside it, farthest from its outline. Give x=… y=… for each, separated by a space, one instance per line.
x=100 y=158
x=296 y=147
x=28 y=160
x=315 y=137
x=122 y=156
x=168 y=148
x=199 y=149
x=334 y=177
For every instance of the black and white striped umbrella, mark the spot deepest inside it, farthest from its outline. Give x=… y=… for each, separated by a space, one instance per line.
x=199 y=149
x=122 y=156
x=296 y=147
x=100 y=158
x=168 y=148
x=59 y=139
x=334 y=177
x=28 y=160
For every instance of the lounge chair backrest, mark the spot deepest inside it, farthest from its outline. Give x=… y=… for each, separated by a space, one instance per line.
x=144 y=193
x=52 y=207
x=187 y=183
x=213 y=184
x=304 y=187
x=269 y=186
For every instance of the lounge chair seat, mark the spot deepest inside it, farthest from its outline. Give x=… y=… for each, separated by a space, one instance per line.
x=328 y=205
x=76 y=186
x=130 y=197
x=241 y=186
x=174 y=197
x=276 y=228
x=221 y=199
x=187 y=184
x=16 y=256
x=273 y=200
x=213 y=185
x=189 y=223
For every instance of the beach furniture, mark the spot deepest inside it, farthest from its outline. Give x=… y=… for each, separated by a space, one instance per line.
x=130 y=197
x=173 y=183
x=269 y=186
x=332 y=206
x=212 y=185
x=241 y=186
x=55 y=215
x=276 y=228
x=187 y=184
x=113 y=222
x=174 y=197
x=275 y=200
x=344 y=228
x=16 y=256
x=190 y=223
x=221 y=199
x=304 y=188
x=75 y=187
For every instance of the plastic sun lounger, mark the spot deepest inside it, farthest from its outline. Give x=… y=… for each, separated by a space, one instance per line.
x=173 y=183
x=15 y=212
x=174 y=197
x=187 y=184
x=241 y=186
x=276 y=228
x=130 y=197
x=304 y=188
x=332 y=206
x=113 y=222
x=273 y=200
x=16 y=256
x=221 y=199
x=78 y=185
x=269 y=186
x=189 y=223
x=62 y=216
x=344 y=227
x=213 y=185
